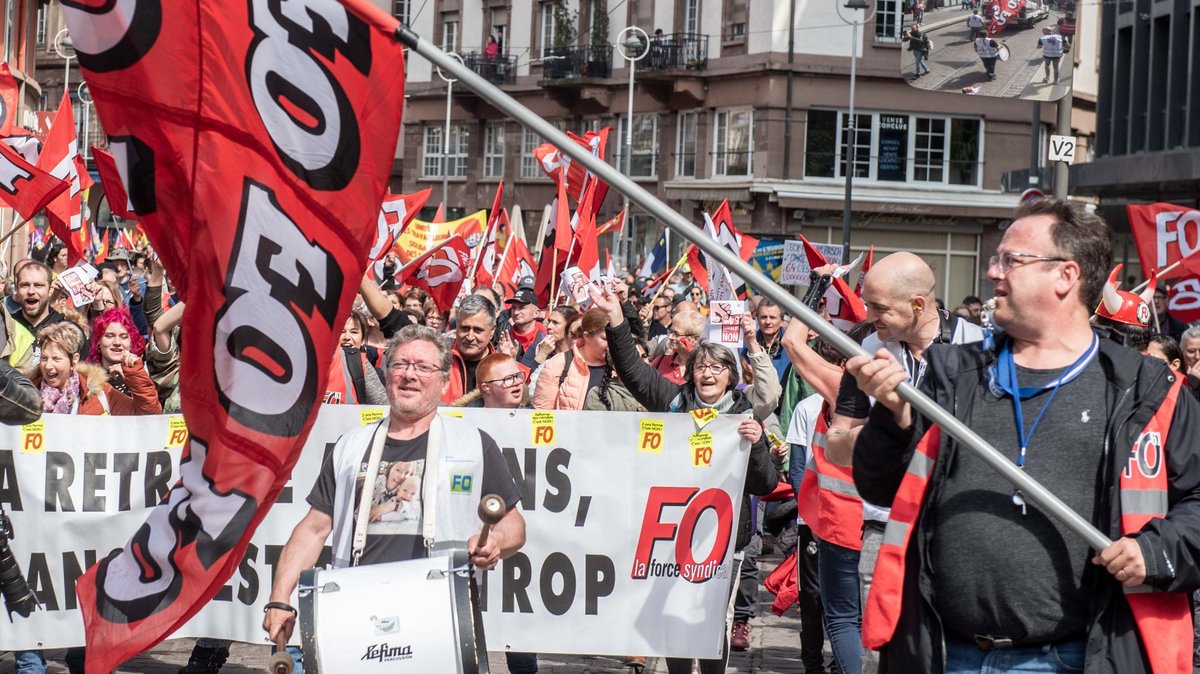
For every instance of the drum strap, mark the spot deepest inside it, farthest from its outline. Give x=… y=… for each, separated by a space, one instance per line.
x=368 y=493
x=429 y=482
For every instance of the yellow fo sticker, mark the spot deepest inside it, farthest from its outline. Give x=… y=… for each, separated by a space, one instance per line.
x=703 y=417
x=177 y=431
x=543 y=428
x=457 y=414
x=370 y=416
x=33 y=437
x=650 y=436
x=702 y=448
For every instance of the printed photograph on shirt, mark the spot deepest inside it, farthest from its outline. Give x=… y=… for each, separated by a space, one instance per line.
x=396 y=500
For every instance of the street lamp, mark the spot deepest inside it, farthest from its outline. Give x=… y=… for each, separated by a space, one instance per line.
x=65 y=48
x=633 y=44
x=446 y=137
x=854 y=6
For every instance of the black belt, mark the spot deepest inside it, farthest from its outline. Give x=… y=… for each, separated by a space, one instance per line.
x=990 y=643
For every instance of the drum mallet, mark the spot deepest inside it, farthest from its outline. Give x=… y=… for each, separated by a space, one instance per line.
x=281 y=661
x=491 y=511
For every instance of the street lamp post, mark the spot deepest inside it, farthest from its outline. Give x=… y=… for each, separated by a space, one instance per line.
x=446 y=138
x=633 y=44
x=65 y=48
x=854 y=6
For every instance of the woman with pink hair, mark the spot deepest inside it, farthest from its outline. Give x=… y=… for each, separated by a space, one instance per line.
x=117 y=347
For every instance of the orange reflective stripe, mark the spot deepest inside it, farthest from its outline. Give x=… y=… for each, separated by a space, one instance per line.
x=887 y=587
x=340 y=389
x=828 y=501
x=1163 y=618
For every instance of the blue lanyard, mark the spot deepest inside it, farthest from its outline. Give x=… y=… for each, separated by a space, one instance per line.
x=1004 y=373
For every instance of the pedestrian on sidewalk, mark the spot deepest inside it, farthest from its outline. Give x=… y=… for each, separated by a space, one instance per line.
x=1052 y=52
x=920 y=46
x=919 y=12
x=989 y=52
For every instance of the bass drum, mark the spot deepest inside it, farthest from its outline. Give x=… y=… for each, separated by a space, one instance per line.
x=1004 y=54
x=418 y=616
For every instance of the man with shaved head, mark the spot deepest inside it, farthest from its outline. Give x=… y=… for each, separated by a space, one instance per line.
x=899 y=296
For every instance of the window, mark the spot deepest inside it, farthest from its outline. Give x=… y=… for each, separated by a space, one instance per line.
x=39 y=38
x=402 y=10
x=929 y=151
x=449 y=35
x=733 y=143
x=691 y=16
x=493 y=151
x=547 y=28
x=642 y=161
x=685 y=145
x=456 y=160
x=529 y=163
x=896 y=147
x=887 y=20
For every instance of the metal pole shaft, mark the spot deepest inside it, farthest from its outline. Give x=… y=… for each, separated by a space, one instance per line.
x=446 y=149
x=1034 y=492
x=1062 y=168
x=850 y=149
x=629 y=155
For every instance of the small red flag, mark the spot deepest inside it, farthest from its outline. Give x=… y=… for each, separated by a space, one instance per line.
x=439 y=272
x=24 y=187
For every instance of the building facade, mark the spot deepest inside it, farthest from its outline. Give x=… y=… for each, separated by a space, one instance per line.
x=729 y=103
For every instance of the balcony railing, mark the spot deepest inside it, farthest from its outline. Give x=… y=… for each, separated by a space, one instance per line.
x=593 y=60
x=677 y=51
x=495 y=69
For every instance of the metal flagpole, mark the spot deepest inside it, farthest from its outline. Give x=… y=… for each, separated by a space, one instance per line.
x=1033 y=491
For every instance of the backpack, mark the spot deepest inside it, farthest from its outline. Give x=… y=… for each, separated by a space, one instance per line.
x=927 y=44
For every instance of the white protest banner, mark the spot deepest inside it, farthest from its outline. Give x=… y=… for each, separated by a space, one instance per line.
x=637 y=564
x=795 y=263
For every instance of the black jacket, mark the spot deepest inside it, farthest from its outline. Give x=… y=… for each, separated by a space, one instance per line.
x=1171 y=547
x=656 y=393
x=20 y=400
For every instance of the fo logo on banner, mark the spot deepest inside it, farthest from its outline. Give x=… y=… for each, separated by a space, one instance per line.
x=684 y=564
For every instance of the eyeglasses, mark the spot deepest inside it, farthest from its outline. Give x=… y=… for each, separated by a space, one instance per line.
x=1006 y=261
x=677 y=335
x=423 y=370
x=507 y=381
x=106 y=303
x=661 y=306
x=715 y=368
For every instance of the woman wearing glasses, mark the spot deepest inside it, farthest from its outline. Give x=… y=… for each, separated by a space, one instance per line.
x=710 y=381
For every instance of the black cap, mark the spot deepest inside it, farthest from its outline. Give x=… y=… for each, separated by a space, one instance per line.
x=526 y=282
x=119 y=254
x=524 y=296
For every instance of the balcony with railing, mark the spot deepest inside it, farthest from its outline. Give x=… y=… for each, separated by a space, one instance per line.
x=590 y=61
x=495 y=69
x=676 y=51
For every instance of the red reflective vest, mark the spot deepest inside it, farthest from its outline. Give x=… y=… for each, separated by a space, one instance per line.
x=340 y=389
x=1163 y=618
x=828 y=501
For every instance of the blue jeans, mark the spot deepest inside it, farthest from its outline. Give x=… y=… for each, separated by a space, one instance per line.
x=966 y=658
x=841 y=604
x=920 y=56
x=33 y=662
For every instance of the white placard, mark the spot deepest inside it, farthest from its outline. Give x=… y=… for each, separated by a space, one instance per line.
x=795 y=269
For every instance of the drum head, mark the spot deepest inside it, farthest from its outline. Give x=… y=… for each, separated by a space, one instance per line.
x=1003 y=52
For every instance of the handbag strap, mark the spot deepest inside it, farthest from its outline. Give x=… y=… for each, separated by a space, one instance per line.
x=359 y=541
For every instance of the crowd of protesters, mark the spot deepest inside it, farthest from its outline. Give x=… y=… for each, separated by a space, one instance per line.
x=810 y=417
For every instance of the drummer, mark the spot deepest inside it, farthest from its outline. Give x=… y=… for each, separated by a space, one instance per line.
x=417 y=366
x=989 y=51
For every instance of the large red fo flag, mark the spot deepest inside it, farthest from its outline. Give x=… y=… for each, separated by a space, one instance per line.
x=719 y=226
x=1166 y=234
x=440 y=271
x=65 y=212
x=24 y=187
x=271 y=133
x=1003 y=12
x=9 y=93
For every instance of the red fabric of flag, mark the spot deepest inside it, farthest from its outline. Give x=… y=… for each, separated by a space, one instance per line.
x=866 y=267
x=114 y=185
x=485 y=268
x=719 y=226
x=558 y=238
x=515 y=264
x=585 y=249
x=394 y=215
x=1166 y=234
x=269 y=135
x=616 y=224
x=439 y=272
x=65 y=212
x=9 y=94
x=559 y=166
x=26 y=188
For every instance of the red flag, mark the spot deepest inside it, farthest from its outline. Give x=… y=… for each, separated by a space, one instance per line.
x=515 y=264
x=270 y=135
x=845 y=307
x=439 y=272
x=394 y=215
x=489 y=236
x=614 y=225
x=720 y=227
x=24 y=187
x=586 y=251
x=85 y=178
x=559 y=166
x=1004 y=11
x=1166 y=234
x=65 y=212
x=114 y=185
x=558 y=238
x=440 y=216
x=485 y=268
x=9 y=94
x=866 y=267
